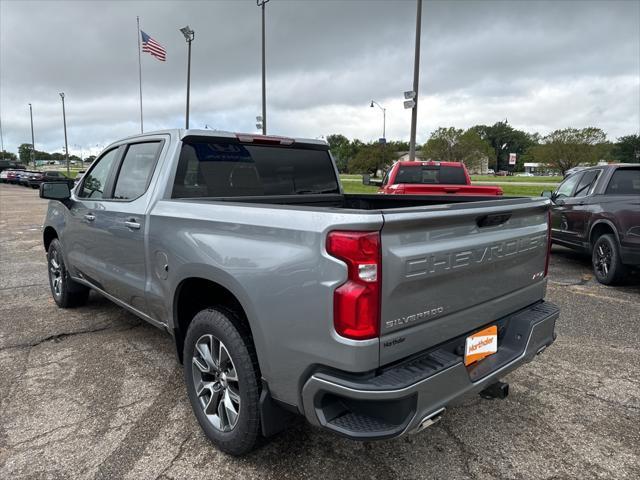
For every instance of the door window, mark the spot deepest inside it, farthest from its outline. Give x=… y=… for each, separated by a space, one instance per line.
x=136 y=170
x=624 y=181
x=586 y=183
x=566 y=188
x=95 y=180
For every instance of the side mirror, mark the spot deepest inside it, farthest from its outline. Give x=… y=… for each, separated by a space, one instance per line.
x=55 y=191
x=366 y=179
x=547 y=194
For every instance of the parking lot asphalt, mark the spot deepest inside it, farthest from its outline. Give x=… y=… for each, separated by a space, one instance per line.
x=94 y=392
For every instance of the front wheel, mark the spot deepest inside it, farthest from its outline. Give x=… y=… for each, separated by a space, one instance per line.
x=607 y=263
x=66 y=293
x=221 y=373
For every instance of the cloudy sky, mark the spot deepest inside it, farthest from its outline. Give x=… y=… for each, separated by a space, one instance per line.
x=541 y=65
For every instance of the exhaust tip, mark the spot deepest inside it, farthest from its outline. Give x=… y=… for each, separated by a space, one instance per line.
x=430 y=420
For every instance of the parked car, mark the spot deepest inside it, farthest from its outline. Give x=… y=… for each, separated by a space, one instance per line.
x=491 y=171
x=597 y=211
x=3 y=176
x=525 y=174
x=13 y=175
x=430 y=178
x=36 y=178
x=367 y=314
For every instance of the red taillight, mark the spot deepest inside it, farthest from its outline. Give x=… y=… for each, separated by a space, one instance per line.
x=356 y=303
x=546 y=263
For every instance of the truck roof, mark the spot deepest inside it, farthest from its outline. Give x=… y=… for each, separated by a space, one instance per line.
x=182 y=133
x=408 y=163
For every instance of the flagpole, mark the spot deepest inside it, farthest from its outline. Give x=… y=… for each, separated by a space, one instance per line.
x=140 y=76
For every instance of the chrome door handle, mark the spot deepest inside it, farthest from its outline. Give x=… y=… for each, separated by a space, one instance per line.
x=90 y=217
x=133 y=225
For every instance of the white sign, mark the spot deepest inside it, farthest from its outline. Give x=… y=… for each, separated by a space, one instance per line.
x=409 y=104
x=512 y=159
x=410 y=95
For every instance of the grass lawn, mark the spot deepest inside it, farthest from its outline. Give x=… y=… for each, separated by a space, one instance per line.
x=351 y=186
x=491 y=178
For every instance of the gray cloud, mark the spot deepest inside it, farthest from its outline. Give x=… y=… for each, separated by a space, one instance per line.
x=542 y=65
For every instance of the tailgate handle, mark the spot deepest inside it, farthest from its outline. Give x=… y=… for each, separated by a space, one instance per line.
x=493 y=219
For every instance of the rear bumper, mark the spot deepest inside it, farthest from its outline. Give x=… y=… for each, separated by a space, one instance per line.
x=396 y=400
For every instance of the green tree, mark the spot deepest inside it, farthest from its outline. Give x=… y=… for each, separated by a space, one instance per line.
x=455 y=145
x=444 y=145
x=570 y=147
x=4 y=155
x=371 y=158
x=627 y=149
x=504 y=139
x=24 y=152
x=90 y=159
x=340 y=149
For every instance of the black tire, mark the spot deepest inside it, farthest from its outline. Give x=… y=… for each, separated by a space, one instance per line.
x=607 y=263
x=218 y=324
x=65 y=292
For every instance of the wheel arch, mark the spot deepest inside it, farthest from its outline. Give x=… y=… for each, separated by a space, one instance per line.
x=195 y=293
x=602 y=227
x=48 y=235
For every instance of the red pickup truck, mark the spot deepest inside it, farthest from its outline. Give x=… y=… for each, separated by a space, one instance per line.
x=430 y=178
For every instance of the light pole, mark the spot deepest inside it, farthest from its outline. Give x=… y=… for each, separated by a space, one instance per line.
x=33 y=142
x=416 y=77
x=261 y=3
x=189 y=35
x=504 y=145
x=384 y=117
x=66 y=145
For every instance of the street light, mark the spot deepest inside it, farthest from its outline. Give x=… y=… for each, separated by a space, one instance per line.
x=33 y=142
x=261 y=3
x=501 y=149
x=66 y=145
x=384 y=117
x=189 y=35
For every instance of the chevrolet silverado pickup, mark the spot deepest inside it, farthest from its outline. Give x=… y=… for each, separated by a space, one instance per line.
x=430 y=178
x=366 y=314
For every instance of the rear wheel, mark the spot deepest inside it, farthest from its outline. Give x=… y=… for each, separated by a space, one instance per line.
x=221 y=373
x=607 y=263
x=66 y=293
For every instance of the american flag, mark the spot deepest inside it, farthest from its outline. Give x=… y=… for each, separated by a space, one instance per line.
x=149 y=45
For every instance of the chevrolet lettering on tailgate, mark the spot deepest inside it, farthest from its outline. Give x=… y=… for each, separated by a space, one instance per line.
x=444 y=261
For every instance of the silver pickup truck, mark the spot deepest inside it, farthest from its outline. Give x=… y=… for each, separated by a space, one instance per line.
x=366 y=314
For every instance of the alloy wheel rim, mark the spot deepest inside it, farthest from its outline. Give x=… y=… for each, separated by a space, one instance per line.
x=603 y=259
x=215 y=380
x=55 y=272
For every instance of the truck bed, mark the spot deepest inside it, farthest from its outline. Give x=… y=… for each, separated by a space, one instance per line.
x=363 y=201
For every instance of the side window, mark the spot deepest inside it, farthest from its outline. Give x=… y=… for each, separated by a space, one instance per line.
x=587 y=182
x=136 y=170
x=566 y=188
x=624 y=181
x=94 y=182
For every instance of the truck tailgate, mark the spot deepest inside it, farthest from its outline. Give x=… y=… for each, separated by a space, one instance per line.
x=450 y=269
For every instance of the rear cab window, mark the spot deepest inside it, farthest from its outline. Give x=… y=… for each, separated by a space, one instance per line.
x=431 y=174
x=210 y=167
